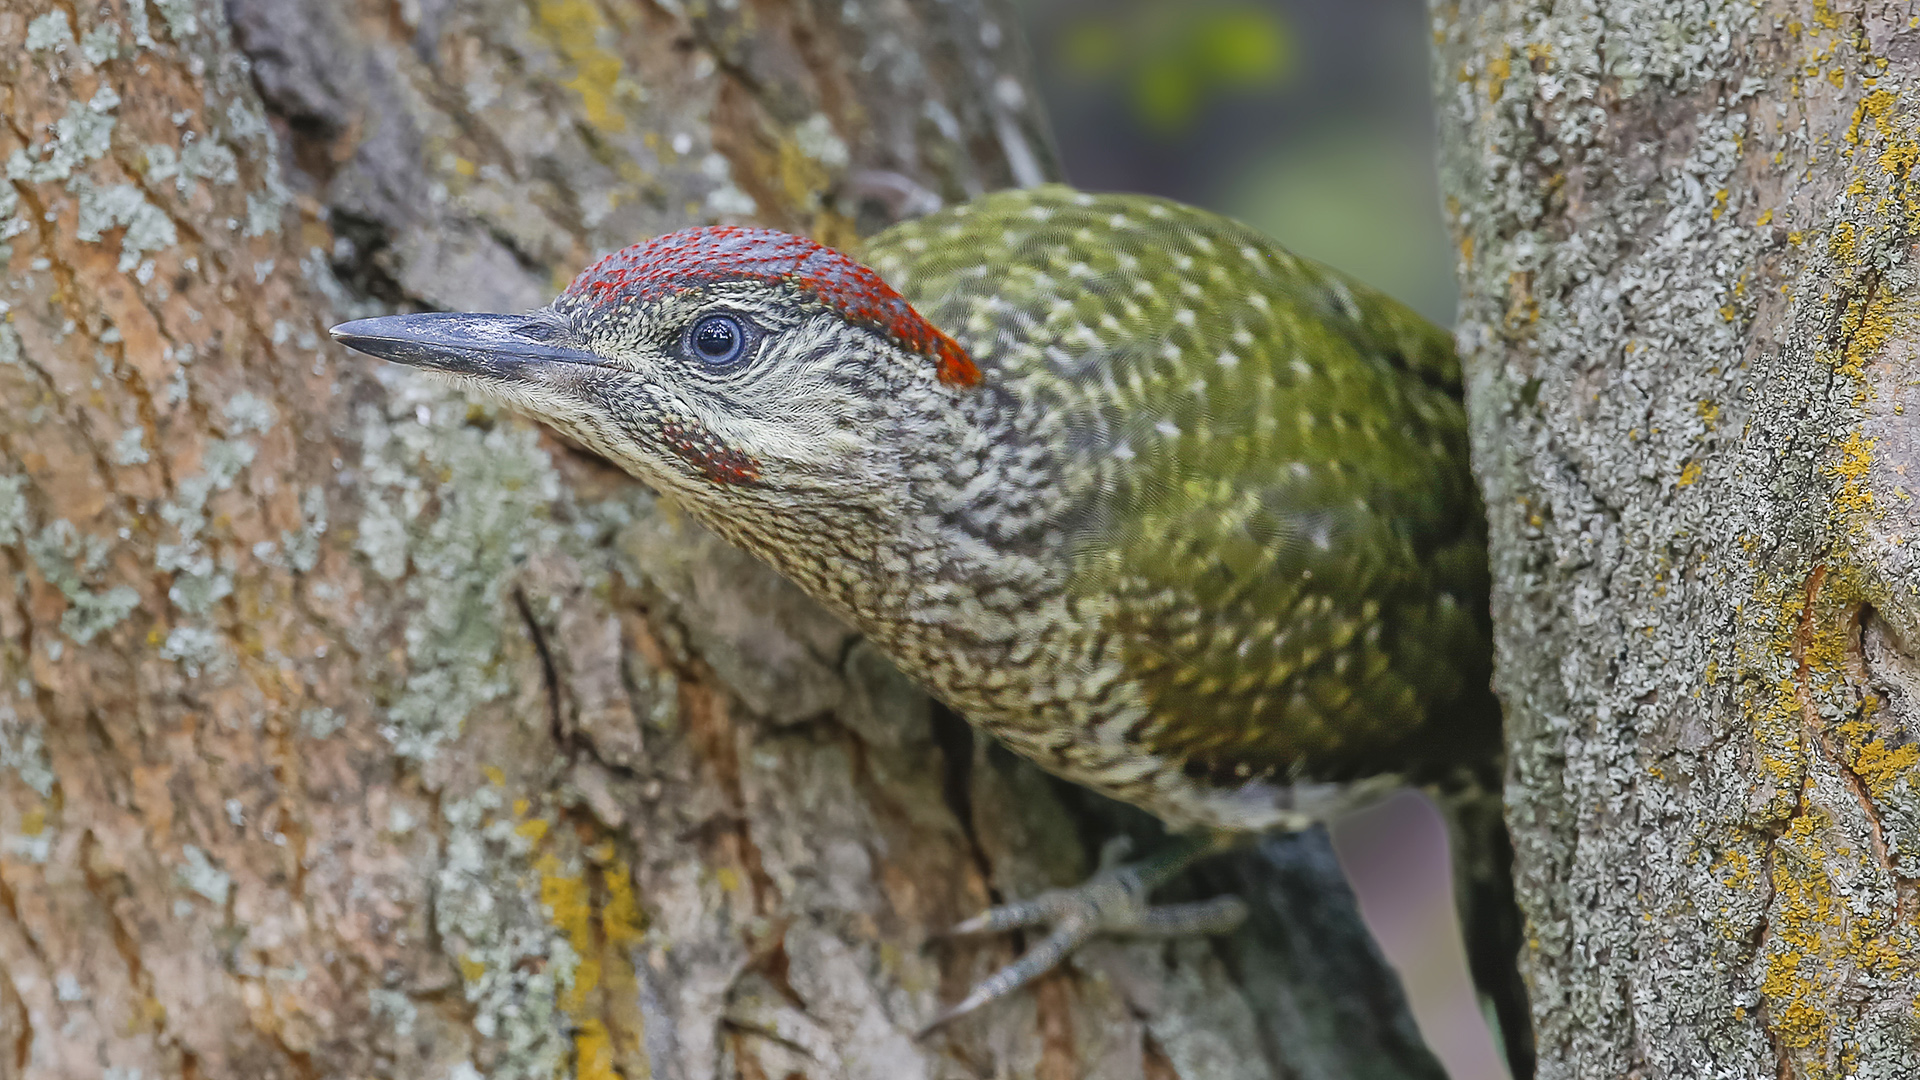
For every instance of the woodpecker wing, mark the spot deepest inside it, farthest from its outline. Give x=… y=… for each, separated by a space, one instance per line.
x=1269 y=465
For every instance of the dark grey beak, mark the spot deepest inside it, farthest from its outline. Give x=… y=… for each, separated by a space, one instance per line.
x=513 y=348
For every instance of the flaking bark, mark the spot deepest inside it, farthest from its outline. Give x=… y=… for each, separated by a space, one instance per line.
x=1687 y=233
x=349 y=730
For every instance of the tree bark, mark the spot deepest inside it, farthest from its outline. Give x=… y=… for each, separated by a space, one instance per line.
x=1687 y=236
x=349 y=729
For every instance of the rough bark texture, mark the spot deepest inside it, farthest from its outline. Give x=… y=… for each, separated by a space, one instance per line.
x=350 y=730
x=1687 y=234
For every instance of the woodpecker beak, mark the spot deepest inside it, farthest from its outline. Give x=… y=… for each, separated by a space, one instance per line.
x=497 y=348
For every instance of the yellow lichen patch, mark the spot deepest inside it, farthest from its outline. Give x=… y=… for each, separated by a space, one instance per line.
x=590 y=900
x=1840 y=245
x=1777 y=732
x=1689 y=474
x=1736 y=870
x=1880 y=765
x=1879 y=107
x=574 y=28
x=1498 y=71
x=1799 y=951
x=569 y=909
x=1816 y=948
x=1899 y=156
x=1868 y=324
x=1856 y=461
x=802 y=177
x=804 y=182
x=1826 y=634
x=593 y=1052
x=1813 y=937
x=621 y=919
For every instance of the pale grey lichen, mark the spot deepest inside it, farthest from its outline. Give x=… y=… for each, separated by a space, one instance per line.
x=727 y=199
x=138 y=23
x=197 y=159
x=80 y=136
x=196 y=591
x=264 y=209
x=101 y=44
x=246 y=122
x=130 y=448
x=181 y=18
x=396 y=1009
x=491 y=488
x=321 y=723
x=34 y=848
x=67 y=558
x=303 y=547
x=196 y=649
x=15 y=516
x=23 y=751
x=199 y=581
x=382 y=537
x=12 y=224
x=148 y=228
x=816 y=138
x=202 y=876
x=245 y=413
x=50 y=32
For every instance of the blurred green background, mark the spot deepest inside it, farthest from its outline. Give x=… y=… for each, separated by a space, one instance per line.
x=1313 y=121
x=1309 y=119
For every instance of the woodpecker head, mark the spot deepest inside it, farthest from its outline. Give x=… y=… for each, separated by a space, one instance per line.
x=721 y=363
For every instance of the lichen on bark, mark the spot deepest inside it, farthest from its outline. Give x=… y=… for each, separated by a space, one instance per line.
x=1686 y=235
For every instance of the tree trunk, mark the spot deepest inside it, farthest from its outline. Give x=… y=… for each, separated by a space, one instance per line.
x=348 y=729
x=1687 y=236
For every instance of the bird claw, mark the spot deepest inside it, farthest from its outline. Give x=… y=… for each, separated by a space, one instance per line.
x=1112 y=901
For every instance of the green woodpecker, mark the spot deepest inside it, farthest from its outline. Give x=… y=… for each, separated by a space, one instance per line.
x=1172 y=512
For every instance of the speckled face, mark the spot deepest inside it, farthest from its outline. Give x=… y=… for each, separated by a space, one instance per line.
x=742 y=359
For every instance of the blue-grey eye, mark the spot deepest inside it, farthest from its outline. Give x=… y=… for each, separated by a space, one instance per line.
x=718 y=340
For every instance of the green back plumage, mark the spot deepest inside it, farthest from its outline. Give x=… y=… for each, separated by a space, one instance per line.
x=1279 y=524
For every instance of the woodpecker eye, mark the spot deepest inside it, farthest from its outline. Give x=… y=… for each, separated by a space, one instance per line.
x=717 y=340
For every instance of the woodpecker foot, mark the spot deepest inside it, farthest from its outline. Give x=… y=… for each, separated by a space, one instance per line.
x=1112 y=901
